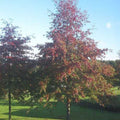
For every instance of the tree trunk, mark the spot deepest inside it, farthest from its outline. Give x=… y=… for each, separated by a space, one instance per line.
x=9 y=91
x=68 y=109
x=9 y=97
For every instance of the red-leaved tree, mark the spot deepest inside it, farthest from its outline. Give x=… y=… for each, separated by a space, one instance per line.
x=14 y=56
x=69 y=66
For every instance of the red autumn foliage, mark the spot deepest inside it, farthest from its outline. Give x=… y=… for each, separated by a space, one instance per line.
x=13 y=57
x=70 y=60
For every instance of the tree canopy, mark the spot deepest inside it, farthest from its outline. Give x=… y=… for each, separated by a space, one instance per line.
x=70 y=60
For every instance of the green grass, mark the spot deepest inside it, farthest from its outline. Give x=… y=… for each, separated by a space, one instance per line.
x=82 y=111
x=78 y=112
x=116 y=90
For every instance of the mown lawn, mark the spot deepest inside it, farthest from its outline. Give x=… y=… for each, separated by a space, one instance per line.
x=57 y=112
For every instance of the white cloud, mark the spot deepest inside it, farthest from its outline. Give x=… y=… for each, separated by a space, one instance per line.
x=108 y=25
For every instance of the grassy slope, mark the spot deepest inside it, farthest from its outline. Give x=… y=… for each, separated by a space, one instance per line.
x=19 y=112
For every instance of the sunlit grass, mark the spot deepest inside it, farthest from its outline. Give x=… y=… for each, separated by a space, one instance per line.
x=116 y=90
x=82 y=111
x=22 y=112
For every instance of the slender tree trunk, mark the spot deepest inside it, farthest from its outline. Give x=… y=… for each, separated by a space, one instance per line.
x=68 y=109
x=9 y=91
x=9 y=97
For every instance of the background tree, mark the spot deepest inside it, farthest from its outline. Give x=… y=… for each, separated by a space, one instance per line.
x=70 y=69
x=14 y=56
x=115 y=80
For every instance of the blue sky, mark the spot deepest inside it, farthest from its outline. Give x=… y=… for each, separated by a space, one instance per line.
x=32 y=18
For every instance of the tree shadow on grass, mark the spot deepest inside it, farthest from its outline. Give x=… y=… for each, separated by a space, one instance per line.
x=55 y=111
x=115 y=107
